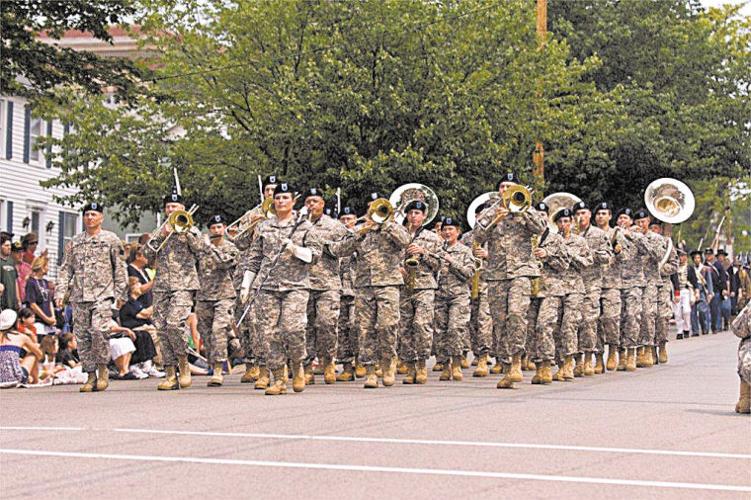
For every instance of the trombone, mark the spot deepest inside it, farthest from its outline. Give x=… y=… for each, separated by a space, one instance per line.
x=267 y=210
x=379 y=211
x=180 y=221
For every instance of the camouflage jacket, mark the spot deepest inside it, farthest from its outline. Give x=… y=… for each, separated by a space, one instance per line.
x=215 y=269
x=429 y=265
x=555 y=263
x=290 y=273
x=176 y=263
x=741 y=326
x=510 y=243
x=634 y=248
x=651 y=261
x=93 y=269
x=581 y=258
x=347 y=274
x=599 y=244
x=324 y=274
x=454 y=277
x=379 y=254
x=245 y=238
x=611 y=273
x=670 y=266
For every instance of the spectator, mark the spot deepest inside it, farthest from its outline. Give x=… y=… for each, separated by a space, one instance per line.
x=49 y=347
x=701 y=317
x=137 y=263
x=121 y=350
x=29 y=243
x=16 y=369
x=68 y=355
x=135 y=316
x=8 y=274
x=40 y=297
x=26 y=324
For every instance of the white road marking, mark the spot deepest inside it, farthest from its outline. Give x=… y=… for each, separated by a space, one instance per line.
x=376 y=468
x=19 y=428
x=488 y=444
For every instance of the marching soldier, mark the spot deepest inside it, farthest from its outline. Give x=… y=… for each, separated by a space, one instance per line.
x=216 y=297
x=650 y=297
x=417 y=302
x=665 y=293
x=609 y=324
x=511 y=267
x=347 y=345
x=378 y=277
x=94 y=276
x=741 y=327
x=325 y=290
x=452 y=300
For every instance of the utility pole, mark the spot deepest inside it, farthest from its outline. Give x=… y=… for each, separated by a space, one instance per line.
x=538 y=156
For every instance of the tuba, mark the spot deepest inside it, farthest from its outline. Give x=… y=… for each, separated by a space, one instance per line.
x=403 y=195
x=480 y=200
x=556 y=202
x=669 y=200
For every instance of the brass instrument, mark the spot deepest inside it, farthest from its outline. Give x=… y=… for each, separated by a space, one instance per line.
x=557 y=202
x=476 y=277
x=412 y=264
x=181 y=221
x=517 y=199
x=480 y=200
x=379 y=211
x=669 y=200
x=267 y=210
x=407 y=193
x=536 y=281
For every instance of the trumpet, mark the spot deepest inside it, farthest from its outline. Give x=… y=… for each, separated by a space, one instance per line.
x=380 y=211
x=181 y=221
x=267 y=210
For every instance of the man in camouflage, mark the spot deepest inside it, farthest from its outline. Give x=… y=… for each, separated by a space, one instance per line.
x=417 y=304
x=609 y=324
x=216 y=297
x=741 y=327
x=93 y=275
x=452 y=300
x=511 y=267
x=347 y=345
x=665 y=291
x=378 y=276
x=325 y=291
x=277 y=271
x=598 y=243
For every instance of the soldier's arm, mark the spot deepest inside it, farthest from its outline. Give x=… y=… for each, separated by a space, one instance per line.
x=534 y=221
x=397 y=234
x=254 y=256
x=155 y=240
x=312 y=241
x=120 y=270
x=463 y=265
x=481 y=232
x=344 y=247
x=582 y=256
x=558 y=256
x=671 y=265
x=603 y=253
x=433 y=262
x=64 y=275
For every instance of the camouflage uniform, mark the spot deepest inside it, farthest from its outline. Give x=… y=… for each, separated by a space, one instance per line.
x=571 y=279
x=174 y=287
x=325 y=291
x=216 y=299
x=347 y=340
x=650 y=263
x=94 y=275
x=598 y=243
x=417 y=306
x=480 y=322
x=665 y=294
x=452 y=301
x=510 y=268
x=553 y=299
x=741 y=327
x=377 y=281
x=609 y=324
x=281 y=306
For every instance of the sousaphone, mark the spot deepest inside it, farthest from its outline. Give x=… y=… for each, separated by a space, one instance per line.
x=557 y=202
x=404 y=195
x=669 y=200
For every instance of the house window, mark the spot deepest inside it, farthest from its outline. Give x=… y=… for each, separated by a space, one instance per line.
x=35 y=221
x=67 y=227
x=35 y=132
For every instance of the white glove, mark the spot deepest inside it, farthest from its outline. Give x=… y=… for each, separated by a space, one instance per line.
x=302 y=253
x=248 y=278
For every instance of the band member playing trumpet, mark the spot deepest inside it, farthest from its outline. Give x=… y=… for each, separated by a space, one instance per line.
x=347 y=343
x=418 y=296
x=379 y=245
x=509 y=271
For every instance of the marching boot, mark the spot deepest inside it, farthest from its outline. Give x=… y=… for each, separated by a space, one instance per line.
x=546 y=374
x=515 y=373
x=537 y=377
x=250 y=375
x=531 y=365
x=631 y=361
x=371 y=379
x=329 y=371
x=579 y=368
x=568 y=367
x=497 y=368
x=359 y=370
x=474 y=361
x=102 y=378
x=648 y=359
x=439 y=367
x=401 y=368
x=379 y=370
x=456 y=368
x=744 y=400
x=446 y=373
x=464 y=362
x=640 y=359
x=612 y=358
x=279 y=386
x=389 y=371
x=184 y=367
x=90 y=385
x=310 y=378
x=263 y=378
x=170 y=382
x=216 y=378
x=298 y=377
x=410 y=377
x=663 y=354
x=506 y=382
x=482 y=367
x=347 y=375
x=599 y=364
x=588 y=370
x=560 y=373
x=622 y=359
x=421 y=372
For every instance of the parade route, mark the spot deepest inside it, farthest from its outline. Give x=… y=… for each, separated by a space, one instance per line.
x=666 y=431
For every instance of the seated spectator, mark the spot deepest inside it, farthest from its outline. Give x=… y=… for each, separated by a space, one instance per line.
x=15 y=367
x=25 y=324
x=49 y=347
x=40 y=297
x=137 y=263
x=135 y=316
x=68 y=355
x=132 y=352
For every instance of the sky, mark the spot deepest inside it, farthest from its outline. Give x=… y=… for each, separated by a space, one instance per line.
x=715 y=3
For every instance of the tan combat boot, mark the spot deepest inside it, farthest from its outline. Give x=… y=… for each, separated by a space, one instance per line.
x=515 y=373
x=90 y=385
x=640 y=357
x=482 y=367
x=102 y=378
x=421 y=373
x=401 y=368
x=446 y=373
x=360 y=370
x=744 y=399
x=588 y=370
x=329 y=371
x=250 y=375
x=663 y=356
x=184 y=367
x=537 y=377
x=456 y=368
x=559 y=374
x=631 y=360
x=612 y=358
x=464 y=364
x=599 y=363
x=579 y=368
x=389 y=371
x=568 y=367
x=622 y=359
x=411 y=372
x=648 y=359
x=310 y=378
x=279 y=386
x=263 y=378
x=298 y=377
x=371 y=379
x=217 y=379
x=347 y=375
x=506 y=382
x=497 y=368
x=439 y=367
x=531 y=365
x=170 y=380
x=546 y=374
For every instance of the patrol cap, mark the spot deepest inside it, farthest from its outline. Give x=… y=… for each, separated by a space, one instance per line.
x=313 y=192
x=271 y=180
x=581 y=205
x=416 y=205
x=603 y=205
x=564 y=212
x=655 y=222
x=641 y=214
x=282 y=188
x=625 y=211
x=216 y=219
x=346 y=211
x=508 y=177
x=451 y=221
x=542 y=207
x=173 y=197
x=93 y=206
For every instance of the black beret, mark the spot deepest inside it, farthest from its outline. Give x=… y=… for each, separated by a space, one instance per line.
x=416 y=205
x=625 y=211
x=508 y=177
x=271 y=179
x=96 y=207
x=282 y=188
x=347 y=211
x=313 y=192
x=582 y=205
x=217 y=219
x=604 y=205
x=564 y=212
x=641 y=214
x=542 y=207
x=172 y=197
x=655 y=222
x=450 y=221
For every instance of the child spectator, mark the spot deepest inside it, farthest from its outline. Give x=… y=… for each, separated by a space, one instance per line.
x=40 y=297
x=25 y=324
x=68 y=355
x=49 y=348
x=16 y=369
x=135 y=316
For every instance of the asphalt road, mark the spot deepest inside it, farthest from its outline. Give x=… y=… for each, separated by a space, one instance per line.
x=667 y=431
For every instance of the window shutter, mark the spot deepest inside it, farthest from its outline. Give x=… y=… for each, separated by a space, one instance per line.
x=9 y=133
x=10 y=217
x=26 y=133
x=48 y=151
x=60 y=237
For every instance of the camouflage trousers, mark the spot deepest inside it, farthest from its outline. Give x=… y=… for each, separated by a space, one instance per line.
x=281 y=319
x=377 y=320
x=244 y=331
x=509 y=304
x=347 y=345
x=451 y=325
x=649 y=315
x=530 y=343
x=480 y=322
x=664 y=313
x=590 y=313
x=417 y=310
x=744 y=360
x=323 y=323
x=215 y=318
x=92 y=329
x=631 y=316
x=171 y=311
x=609 y=324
